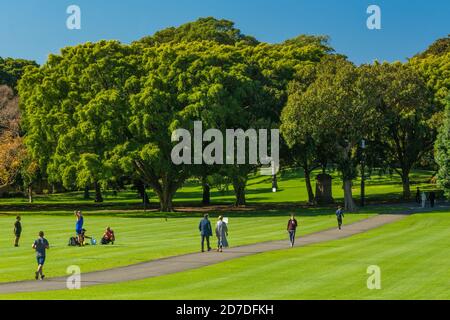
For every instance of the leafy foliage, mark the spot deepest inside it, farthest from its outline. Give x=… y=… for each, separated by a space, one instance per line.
x=443 y=152
x=204 y=29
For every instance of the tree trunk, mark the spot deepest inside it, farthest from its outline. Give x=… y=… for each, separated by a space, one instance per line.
x=86 y=193
x=239 y=184
x=165 y=200
x=98 y=192
x=30 y=193
x=309 y=188
x=348 y=196
x=324 y=189
x=206 y=192
x=142 y=192
x=405 y=183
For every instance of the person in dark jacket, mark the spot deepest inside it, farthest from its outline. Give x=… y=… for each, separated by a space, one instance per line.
x=205 y=231
x=339 y=216
x=292 y=228
x=17 y=231
x=432 y=198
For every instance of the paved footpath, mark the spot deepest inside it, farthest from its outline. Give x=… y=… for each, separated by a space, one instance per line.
x=191 y=261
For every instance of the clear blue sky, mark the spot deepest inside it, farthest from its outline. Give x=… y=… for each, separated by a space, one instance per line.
x=32 y=29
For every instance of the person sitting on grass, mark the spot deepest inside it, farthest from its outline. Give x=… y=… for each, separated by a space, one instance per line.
x=40 y=246
x=17 y=231
x=108 y=236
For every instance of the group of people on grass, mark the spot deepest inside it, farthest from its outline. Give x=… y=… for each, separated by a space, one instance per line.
x=423 y=198
x=221 y=230
x=41 y=245
x=80 y=240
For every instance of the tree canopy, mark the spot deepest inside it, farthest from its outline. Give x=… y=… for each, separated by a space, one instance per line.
x=443 y=152
x=434 y=66
x=100 y=112
x=210 y=29
x=409 y=118
x=335 y=105
x=11 y=70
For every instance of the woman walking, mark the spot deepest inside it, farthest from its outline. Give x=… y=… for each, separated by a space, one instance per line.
x=222 y=234
x=291 y=228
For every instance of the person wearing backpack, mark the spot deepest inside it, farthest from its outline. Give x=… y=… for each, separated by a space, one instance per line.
x=292 y=228
x=339 y=216
x=40 y=246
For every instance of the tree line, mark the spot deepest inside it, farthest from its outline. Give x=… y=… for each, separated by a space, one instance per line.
x=99 y=114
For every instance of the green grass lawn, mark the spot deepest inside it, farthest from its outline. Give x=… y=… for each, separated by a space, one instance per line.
x=291 y=190
x=413 y=255
x=138 y=239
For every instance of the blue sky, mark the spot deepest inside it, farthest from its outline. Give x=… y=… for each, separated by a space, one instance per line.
x=32 y=29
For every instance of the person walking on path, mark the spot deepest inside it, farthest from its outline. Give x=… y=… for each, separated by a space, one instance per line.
x=205 y=232
x=40 y=246
x=17 y=231
x=432 y=198
x=339 y=216
x=424 y=199
x=291 y=228
x=418 y=196
x=222 y=234
x=79 y=226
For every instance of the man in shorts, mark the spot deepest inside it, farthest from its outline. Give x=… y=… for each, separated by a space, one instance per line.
x=339 y=216
x=40 y=246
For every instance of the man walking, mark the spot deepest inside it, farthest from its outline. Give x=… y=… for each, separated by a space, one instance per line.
x=40 y=246
x=17 y=231
x=291 y=228
x=432 y=198
x=205 y=231
x=339 y=215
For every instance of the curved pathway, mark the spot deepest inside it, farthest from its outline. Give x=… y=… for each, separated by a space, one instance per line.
x=195 y=260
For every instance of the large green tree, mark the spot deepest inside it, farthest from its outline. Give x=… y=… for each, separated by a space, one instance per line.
x=271 y=68
x=408 y=116
x=277 y=65
x=336 y=105
x=442 y=151
x=74 y=109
